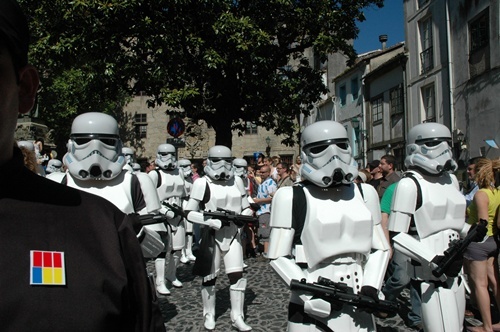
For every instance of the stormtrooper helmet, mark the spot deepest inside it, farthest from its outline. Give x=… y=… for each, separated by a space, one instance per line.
x=94 y=148
x=185 y=166
x=326 y=155
x=136 y=167
x=240 y=167
x=165 y=157
x=53 y=166
x=219 y=163
x=429 y=149
x=27 y=145
x=128 y=153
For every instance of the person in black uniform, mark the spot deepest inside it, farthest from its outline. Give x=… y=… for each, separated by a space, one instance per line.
x=71 y=260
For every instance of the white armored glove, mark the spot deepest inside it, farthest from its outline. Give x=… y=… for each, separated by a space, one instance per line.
x=170 y=214
x=317 y=307
x=198 y=218
x=214 y=223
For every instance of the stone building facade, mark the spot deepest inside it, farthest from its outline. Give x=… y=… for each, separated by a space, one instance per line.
x=146 y=128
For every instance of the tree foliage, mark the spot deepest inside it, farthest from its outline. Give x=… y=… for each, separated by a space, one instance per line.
x=222 y=61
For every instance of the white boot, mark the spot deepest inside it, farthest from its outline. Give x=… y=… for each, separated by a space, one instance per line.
x=237 y=295
x=189 y=248
x=171 y=269
x=184 y=258
x=160 y=277
x=208 y=297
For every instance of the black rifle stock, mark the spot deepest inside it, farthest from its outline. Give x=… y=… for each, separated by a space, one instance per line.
x=151 y=219
x=227 y=216
x=337 y=292
x=456 y=250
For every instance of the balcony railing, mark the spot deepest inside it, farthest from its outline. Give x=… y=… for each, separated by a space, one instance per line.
x=427 y=60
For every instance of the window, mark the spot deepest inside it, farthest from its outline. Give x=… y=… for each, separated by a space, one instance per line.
x=427 y=55
x=141 y=125
x=397 y=105
x=354 y=89
x=342 y=95
x=377 y=109
x=251 y=128
x=429 y=101
x=479 y=36
x=479 y=56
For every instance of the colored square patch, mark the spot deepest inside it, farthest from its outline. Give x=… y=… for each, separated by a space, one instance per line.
x=47 y=268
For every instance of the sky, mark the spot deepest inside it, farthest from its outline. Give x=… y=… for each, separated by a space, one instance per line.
x=381 y=21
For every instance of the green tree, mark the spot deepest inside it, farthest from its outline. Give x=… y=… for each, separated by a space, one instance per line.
x=222 y=61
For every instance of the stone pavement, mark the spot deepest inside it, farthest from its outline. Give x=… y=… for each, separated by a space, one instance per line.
x=266 y=303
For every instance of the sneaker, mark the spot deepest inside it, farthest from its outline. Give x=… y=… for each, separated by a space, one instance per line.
x=262 y=258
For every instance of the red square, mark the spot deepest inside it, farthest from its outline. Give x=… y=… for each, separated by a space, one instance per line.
x=47 y=259
x=37 y=258
x=57 y=259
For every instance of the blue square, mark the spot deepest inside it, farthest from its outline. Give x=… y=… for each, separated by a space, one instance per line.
x=36 y=275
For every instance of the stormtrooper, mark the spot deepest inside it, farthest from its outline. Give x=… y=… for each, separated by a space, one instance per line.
x=170 y=187
x=428 y=213
x=219 y=188
x=95 y=163
x=308 y=242
x=187 y=252
x=128 y=154
x=240 y=167
x=54 y=165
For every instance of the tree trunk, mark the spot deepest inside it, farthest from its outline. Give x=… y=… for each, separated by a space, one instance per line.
x=223 y=132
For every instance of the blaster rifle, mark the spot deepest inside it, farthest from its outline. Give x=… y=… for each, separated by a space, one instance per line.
x=455 y=252
x=176 y=209
x=339 y=293
x=227 y=216
x=151 y=219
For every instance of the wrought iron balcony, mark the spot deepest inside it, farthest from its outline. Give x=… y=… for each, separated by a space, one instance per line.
x=427 y=60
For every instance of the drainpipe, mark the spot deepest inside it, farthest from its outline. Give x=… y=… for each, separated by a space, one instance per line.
x=450 y=71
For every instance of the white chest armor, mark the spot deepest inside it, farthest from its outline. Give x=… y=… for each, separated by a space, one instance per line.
x=442 y=215
x=228 y=196
x=335 y=224
x=118 y=190
x=172 y=184
x=443 y=206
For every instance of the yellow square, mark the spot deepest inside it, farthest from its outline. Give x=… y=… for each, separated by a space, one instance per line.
x=48 y=277
x=58 y=276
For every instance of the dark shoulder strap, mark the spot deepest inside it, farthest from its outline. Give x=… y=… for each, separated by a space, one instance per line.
x=138 y=200
x=158 y=182
x=206 y=196
x=419 y=190
x=299 y=209
x=360 y=189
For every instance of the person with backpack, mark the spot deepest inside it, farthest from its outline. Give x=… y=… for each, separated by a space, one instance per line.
x=326 y=230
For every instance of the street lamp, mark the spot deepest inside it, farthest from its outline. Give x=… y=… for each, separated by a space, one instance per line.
x=268 y=148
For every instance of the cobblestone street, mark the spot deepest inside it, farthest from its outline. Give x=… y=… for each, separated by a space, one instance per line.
x=266 y=303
